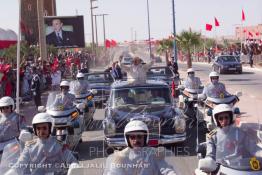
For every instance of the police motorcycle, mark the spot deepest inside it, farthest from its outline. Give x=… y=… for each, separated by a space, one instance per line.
x=206 y=105
x=85 y=98
x=233 y=157
x=67 y=120
x=188 y=100
x=12 y=150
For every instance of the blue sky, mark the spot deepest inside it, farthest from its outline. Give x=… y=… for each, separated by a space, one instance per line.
x=130 y=15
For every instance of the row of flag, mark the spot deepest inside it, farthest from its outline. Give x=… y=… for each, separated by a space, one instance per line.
x=210 y=26
x=110 y=43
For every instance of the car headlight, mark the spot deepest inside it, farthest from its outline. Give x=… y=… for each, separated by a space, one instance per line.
x=180 y=125
x=109 y=127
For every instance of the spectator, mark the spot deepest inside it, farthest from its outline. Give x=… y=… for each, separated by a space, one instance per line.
x=35 y=87
x=56 y=79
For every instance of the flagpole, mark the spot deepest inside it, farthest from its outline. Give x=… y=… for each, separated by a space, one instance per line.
x=18 y=59
x=241 y=35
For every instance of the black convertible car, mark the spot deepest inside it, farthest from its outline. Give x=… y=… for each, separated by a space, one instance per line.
x=150 y=102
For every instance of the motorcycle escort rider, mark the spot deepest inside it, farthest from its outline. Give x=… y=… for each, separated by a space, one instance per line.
x=45 y=154
x=215 y=89
x=137 y=158
x=65 y=97
x=234 y=140
x=80 y=86
x=192 y=82
x=11 y=123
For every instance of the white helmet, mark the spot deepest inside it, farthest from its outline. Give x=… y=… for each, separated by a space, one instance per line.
x=190 y=70
x=80 y=75
x=64 y=83
x=7 y=101
x=221 y=108
x=42 y=118
x=213 y=74
x=136 y=125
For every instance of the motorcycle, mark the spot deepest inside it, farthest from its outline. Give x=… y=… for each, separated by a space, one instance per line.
x=243 y=158
x=67 y=120
x=206 y=105
x=85 y=98
x=12 y=149
x=188 y=101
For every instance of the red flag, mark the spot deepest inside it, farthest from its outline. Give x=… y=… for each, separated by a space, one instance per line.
x=257 y=33
x=108 y=43
x=243 y=15
x=216 y=22
x=113 y=43
x=208 y=27
x=244 y=30
x=250 y=34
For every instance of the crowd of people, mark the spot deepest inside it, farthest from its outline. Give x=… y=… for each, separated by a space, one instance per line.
x=37 y=75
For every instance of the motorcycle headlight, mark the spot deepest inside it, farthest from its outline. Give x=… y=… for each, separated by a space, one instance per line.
x=180 y=125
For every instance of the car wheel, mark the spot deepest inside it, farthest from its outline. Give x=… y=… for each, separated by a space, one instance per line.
x=107 y=149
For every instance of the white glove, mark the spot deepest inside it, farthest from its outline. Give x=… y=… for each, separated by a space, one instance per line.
x=207 y=164
x=25 y=136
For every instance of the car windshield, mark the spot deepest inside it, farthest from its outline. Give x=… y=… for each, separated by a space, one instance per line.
x=94 y=78
x=141 y=96
x=159 y=72
x=127 y=59
x=228 y=59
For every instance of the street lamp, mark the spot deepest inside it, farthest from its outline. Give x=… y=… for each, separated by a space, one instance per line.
x=104 y=30
x=149 y=37
x=92 y=22
x=174 y=31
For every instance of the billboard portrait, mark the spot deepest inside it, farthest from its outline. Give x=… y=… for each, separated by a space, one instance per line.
x=64 y=31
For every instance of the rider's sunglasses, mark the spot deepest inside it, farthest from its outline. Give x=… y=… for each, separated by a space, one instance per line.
x=220 y=118
x=133 y=137
x=41 y=128
x=4 y=107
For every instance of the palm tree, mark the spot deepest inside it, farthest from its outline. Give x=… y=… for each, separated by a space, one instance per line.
x=165 y=46
x=186 y=40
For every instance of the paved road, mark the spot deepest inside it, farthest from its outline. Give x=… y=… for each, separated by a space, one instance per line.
x=182 y=157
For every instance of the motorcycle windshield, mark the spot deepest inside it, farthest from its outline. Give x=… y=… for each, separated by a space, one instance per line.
x=10 y=156
x=57 y=102
x=239 y=148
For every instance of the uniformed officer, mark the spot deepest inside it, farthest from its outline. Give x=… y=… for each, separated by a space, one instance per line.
x=45 y=154
x=228 y=142
x=80 y=86
x=215 y=89
x=11 y=123
x=192 y=82
x=65 y=99
x=137 y=158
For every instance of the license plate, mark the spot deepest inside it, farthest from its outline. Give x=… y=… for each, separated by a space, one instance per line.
x=153 y=142
x=232 y=68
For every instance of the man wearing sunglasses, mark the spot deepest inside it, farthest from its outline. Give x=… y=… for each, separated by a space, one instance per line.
x=44 y=155
x=215 y=89
x=138 y=158
x=11 y=123
x=65 y=98
x=227 y=142
x=192 y=82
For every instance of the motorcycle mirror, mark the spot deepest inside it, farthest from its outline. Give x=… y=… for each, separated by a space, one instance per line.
x=94 y=91
x=238 y=93
x=80 y=106
x=41 y=109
